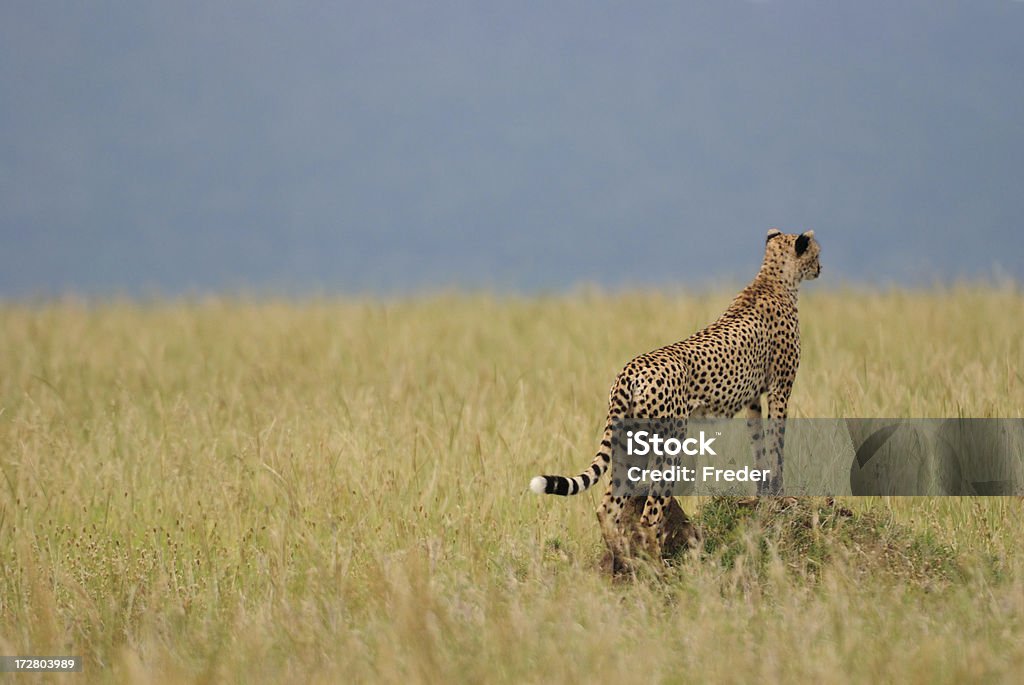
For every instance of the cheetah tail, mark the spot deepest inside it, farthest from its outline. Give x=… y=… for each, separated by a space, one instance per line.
x=562 y=485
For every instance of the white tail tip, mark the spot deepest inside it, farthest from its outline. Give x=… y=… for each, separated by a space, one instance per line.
x=538 y=484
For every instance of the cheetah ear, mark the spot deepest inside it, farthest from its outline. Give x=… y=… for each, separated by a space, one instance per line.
x=772 y=232
x=803 y=241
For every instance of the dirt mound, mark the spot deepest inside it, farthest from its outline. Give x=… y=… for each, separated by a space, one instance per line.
x=805 y=535
x=809 y=533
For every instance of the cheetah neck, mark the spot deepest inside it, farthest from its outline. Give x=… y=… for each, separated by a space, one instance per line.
x=777 y=278
x=764 y=289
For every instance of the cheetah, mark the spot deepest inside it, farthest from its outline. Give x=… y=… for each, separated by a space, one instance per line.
x=753 y=349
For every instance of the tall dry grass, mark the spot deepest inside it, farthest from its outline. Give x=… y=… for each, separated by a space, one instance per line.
x=335 y=490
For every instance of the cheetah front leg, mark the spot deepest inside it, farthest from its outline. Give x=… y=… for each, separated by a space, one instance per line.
x=775 y=439
x=755 y=427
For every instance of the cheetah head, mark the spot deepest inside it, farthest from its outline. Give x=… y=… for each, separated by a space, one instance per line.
x=797 y=255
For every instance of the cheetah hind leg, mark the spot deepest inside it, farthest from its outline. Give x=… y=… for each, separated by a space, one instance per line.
x=632 y=525
x=619 y=519
x=652 y=525
x=618 y=524
x=652 y=521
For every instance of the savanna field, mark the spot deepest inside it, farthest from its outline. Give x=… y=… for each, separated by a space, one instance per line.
x=335 y=490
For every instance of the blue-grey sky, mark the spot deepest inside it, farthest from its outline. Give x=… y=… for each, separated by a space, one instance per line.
x=394 y=146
